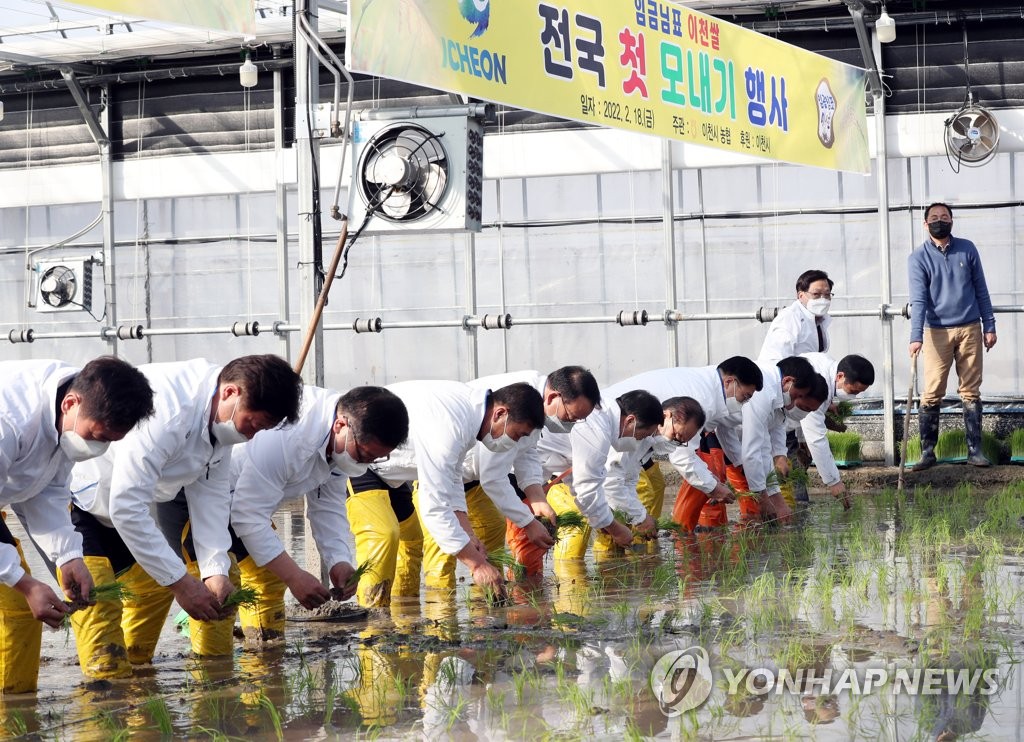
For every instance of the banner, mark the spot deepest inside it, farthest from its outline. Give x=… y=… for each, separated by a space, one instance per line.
x=647 y=66
x=228 y=15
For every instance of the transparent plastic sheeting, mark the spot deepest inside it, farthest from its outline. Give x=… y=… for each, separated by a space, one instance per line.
x=575 y=246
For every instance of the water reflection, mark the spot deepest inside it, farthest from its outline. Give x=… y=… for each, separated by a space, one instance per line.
x=569 y=654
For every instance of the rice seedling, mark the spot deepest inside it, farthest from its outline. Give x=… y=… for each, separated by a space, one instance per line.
x=275 y=716
x=845 y=448
x=243 y=597
x=157 y=709
x=842 y=411
x=570 y=520
x=912 y=453
x=15 y=724
x=666 y=524
x=1016 y=442
x=951 y=446
x=503 y=560
x=365 y=568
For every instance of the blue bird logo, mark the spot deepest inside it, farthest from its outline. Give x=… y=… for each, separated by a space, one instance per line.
x=477 y=12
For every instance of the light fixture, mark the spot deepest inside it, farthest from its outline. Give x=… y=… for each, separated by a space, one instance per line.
x=248 y=73
x=1 y=110
x=885 y=27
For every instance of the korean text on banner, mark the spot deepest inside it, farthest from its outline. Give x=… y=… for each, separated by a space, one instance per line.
x=647 y=66
x=227 y=15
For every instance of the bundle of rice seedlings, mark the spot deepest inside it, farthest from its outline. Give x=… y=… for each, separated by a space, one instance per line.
x=845 y=448
x=913 y=453
x=951 y=446
x=665 y=523
x=1016 y=440
x=247 y=597
x=843 y=410
x=111 y=591
x=570 y=520
x=503 y=560
x=991 y=447
x=364 y=568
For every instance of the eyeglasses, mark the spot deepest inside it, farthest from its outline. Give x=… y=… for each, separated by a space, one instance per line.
x=361 y=456
x=935 y=218
x=569 y=417
x=819 y=294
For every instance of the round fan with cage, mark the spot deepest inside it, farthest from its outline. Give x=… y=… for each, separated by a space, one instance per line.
x=58 y=286
x=403 y=173
x=972 y=135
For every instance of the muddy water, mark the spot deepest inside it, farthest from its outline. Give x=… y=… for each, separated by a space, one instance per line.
x=570 y=657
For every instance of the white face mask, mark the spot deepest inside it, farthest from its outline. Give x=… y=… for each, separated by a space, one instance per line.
x=819 y=307
x=842 y=395
x=77 y=448
x=500 y=444
x=226 y=433
x=555 y=424
x=733 y=405
x=626 y=443
x=796 y=414
x=343 y=463
x=787 y=400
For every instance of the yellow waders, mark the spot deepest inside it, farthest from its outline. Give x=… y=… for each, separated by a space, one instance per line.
x=214 y=638
x=21 y=637
x=266 y=620
x=489 y=526
x=650 y=489
x=377 y=533
x=573 y=545
x=409 y=564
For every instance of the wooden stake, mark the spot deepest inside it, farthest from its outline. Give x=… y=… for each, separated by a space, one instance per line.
x=322 y=299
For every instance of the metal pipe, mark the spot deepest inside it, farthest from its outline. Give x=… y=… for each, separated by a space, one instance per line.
x=281 y=211
x=885 y=263
x=107 y=209
x=344 y=133
x=669 y=237
x=473 y=363
x=472 y=110
x=120 y=78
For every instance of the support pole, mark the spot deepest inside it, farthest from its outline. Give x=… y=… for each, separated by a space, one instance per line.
x=107 y=207
x=281 y=208
x=669 y=236
x=885 y=263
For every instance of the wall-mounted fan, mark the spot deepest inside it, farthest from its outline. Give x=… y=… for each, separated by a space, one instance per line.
x=972 y=135
x=64 y=285
x=425 y=174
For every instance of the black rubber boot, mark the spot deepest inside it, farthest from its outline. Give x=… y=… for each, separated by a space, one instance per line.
x=972 y=426
x=928 y=423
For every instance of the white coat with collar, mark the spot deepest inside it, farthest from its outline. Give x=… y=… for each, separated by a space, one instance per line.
x=794 y=332
x=492 y=469
x=286 y=464
x=813 y=425
x=764 y=429
x=169 y=451
x=702 y=383
x=34 y=471
x=592 y=441
x=445 y=418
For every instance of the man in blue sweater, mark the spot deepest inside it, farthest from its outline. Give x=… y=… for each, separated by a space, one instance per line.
x=949 y=298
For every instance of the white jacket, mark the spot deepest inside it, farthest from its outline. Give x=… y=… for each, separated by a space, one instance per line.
x=813 y=426
x=169 y=451
x=764 y=429
x=792 y=333
x=34 y=471
x=592 y=442
x=285 y=464
x=702 y=383
x=444 y=420
x=492 y=469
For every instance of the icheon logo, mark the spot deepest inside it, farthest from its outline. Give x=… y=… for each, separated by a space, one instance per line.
x=681 y=680
x=477 y=12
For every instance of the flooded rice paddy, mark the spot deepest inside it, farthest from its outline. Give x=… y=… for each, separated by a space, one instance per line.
x=929 y=580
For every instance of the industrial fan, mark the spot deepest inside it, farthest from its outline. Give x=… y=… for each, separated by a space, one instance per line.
x=64 y=286
x=972 y=135
x=418 y=175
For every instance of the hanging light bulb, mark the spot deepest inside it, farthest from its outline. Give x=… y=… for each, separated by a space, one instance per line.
x=885 y=27
x=248 y=73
